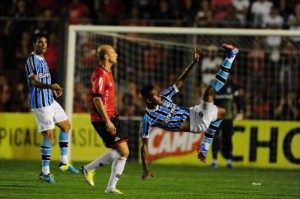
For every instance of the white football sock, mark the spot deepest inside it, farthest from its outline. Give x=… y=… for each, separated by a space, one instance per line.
x=117 y=169
x=104 y=159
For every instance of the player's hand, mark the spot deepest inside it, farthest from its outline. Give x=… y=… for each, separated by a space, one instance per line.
x=57 y=90
x=57 y=93
x=110 y=127
x=197 y=54
x=147 y=174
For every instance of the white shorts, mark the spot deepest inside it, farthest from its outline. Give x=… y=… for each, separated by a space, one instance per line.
x=47 y=117
x=201 y=116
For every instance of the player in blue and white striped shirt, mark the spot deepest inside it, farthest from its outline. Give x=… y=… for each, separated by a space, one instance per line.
x=48 y=112
x=162 y=112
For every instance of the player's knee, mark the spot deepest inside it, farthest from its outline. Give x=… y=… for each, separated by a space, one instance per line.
x=66 y=126
x=221 y=113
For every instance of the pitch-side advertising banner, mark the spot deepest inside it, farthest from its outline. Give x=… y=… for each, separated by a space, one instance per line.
x=269 y=144
x=19 y=138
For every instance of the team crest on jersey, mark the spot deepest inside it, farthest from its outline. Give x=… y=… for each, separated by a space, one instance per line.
x=48 y=122
x=110 y=84
x=166 y=103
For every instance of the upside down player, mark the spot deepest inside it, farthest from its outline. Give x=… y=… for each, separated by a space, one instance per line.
x=105 y=120
x=163 y=113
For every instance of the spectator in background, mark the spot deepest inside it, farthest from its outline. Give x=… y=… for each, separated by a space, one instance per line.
x=288 y=65
x=219 y=9
x=52 y=54
x=187 y=12
x=110 y=12
x=241 y=10
x=47 y=22
x=288 y=107
x=81 y=98
x=164 y=14
x=5 y=94
x=259 y=10
x=20 y=101
x=256 y=59
x=273 y=20
x=294 y=22
x=77 y=10
x=41 y=5
x=22 y=51
x=210 y=64
x=203 y=15
x=21 y=11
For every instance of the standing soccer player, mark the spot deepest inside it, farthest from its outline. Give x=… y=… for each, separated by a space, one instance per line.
x=48 y=112
x=105 y=120
x=163 y=113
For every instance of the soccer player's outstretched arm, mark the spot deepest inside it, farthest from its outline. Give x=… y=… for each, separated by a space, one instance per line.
x=144 y=156
x=184 y=75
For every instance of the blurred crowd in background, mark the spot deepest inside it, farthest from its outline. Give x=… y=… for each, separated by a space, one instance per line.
x=20 y=18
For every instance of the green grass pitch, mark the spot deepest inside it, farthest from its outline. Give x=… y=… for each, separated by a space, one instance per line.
x=19 y=179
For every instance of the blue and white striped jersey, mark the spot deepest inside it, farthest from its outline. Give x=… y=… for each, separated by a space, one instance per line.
x=39 y=97
x=168 y=116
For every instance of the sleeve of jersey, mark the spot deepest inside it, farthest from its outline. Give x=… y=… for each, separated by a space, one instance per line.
x=98 y=87
x=169 y=92
x=146 y=128
x=30 y=66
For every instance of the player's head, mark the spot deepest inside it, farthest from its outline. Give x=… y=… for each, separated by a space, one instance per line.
x=39 y=42
x=106 y=53
x=150 y=96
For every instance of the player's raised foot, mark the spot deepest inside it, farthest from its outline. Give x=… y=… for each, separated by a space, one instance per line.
x=113 y=191
x=202 y=152
x=146 y=175
x=88 y=175
x=67 y=167
x=48 y=178
x=231 y=51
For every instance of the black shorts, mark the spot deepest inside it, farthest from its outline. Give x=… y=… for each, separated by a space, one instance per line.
x=111 y=140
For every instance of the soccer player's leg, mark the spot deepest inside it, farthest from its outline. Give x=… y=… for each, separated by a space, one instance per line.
x=217 y=83
x=63 y=139
x=223 y=73
x=207 y=140
x=117 y=168
x=89 y=170
x=46 y=147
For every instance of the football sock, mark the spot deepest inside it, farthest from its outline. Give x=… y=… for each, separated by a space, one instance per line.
x=117 y=169
x=63 y=145
x=210 y=132
x=222 y=75
x=104 y=159
x=229 y=161
x=46 y=155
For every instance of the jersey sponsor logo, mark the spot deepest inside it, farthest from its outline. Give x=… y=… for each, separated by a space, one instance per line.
x=44 y=75
x=168 y=117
